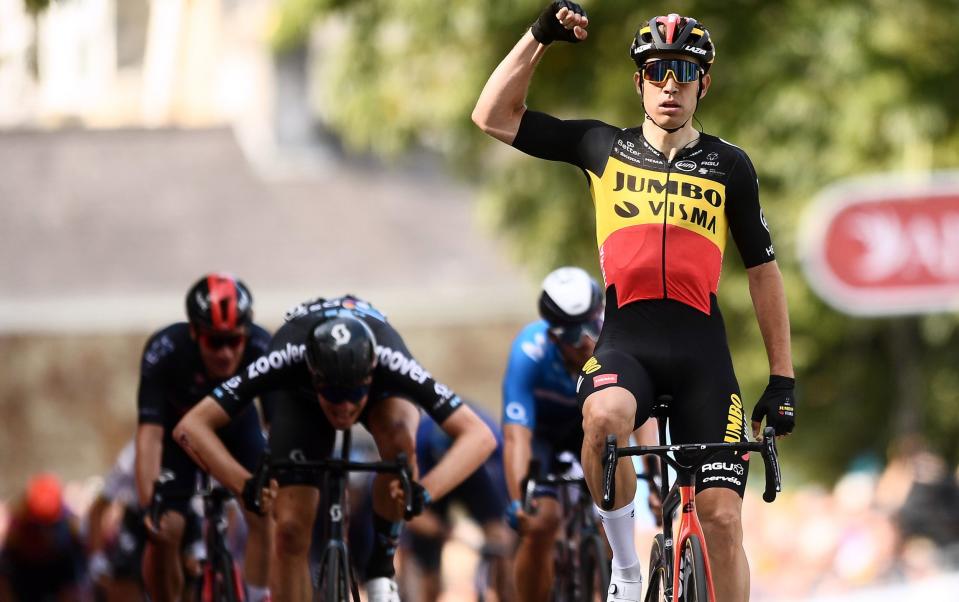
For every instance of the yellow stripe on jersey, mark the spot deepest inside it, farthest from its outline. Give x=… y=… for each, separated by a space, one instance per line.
x=627 y=195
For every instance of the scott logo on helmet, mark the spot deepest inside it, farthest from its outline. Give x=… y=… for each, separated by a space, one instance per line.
x=341 y=334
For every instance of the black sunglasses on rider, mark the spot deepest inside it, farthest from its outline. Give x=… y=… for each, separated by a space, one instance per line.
x=337 y=394
x=572 y=334
x=216 y=340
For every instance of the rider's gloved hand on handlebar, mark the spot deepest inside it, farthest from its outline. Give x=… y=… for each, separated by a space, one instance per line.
x=256 y=500
x=512 y=514
x=777 y=405
x=421 y=498
x=549 y=27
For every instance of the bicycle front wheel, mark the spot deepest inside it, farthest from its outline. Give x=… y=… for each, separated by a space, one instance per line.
x=593 y=569
x=334 y=583
x=657 y=590
x=692 y=572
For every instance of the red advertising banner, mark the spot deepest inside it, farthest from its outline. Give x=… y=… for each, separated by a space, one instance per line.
x=885 y=245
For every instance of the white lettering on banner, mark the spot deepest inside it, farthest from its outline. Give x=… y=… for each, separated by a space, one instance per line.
x=907 y=247
x=398 y=362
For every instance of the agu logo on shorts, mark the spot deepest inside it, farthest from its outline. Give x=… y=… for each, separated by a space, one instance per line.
x=591 y=365
x=735 y=429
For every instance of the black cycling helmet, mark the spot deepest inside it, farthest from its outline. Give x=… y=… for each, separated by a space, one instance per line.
x=676 y=34
x=219 y=301
x=341 y=352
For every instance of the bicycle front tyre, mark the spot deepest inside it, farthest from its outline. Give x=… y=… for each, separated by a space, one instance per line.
x=658 y=579
x=334 y=583
x=593 y=569
x=692 y=572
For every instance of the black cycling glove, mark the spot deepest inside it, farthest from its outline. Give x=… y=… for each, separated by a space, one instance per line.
x=421 y=499
x=547 y=27
x=252 y=496
x=778 y=405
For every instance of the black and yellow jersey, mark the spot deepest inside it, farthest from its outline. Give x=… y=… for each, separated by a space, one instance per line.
x=661 y=225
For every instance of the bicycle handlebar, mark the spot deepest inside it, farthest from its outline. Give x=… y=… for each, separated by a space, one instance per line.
x=400 y=466
x=766 y=447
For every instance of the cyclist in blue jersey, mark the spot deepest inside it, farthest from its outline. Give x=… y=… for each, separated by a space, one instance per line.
x=483 y=496
x=541 y=415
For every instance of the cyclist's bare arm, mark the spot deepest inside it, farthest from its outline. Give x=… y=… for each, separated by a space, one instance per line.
x=502 y=102
x=196 y=434
x=98 y=509
x=769 y=300
x=517 y=451
x=473 y=443
x=149 y=452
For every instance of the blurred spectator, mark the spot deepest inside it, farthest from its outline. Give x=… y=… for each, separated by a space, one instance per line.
x=43 y=558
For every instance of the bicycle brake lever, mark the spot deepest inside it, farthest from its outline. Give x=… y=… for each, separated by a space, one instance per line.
x=771 y=460
x=529 y=486
x=609 y=473
x=404 y=474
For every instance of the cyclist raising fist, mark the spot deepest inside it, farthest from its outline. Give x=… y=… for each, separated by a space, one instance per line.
x=666 y=196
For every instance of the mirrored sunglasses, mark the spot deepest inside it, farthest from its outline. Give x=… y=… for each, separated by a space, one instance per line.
x=684 y=72
x=572 y=334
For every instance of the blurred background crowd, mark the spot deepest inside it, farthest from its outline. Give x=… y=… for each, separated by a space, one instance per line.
x=325 y=146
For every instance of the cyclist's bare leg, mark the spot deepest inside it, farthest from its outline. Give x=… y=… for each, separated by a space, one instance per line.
x=534 y=558
x=162 y=564
x=608 y=411
x=392 y=422
x=259 y=543
x=720 y=512
x=498 y=534
x=294 y=511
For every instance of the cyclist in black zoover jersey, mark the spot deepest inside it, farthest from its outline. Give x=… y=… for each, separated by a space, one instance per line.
x=336 y=362
x=665 y=196
x=181 y=364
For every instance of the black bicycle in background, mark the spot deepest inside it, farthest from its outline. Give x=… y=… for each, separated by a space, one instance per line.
x=680 y=572
x=581 y=562
x=336 y=579
x=220 y=577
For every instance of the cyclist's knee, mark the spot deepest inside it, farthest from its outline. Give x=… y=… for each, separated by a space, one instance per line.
x=256 y=523
x=608 y=411
x=720 y=511
x=293 y=536
x=171 y=529
x=543 y=526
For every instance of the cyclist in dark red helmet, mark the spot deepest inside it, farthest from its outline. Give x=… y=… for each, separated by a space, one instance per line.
x=181 y=364
x=666 y=197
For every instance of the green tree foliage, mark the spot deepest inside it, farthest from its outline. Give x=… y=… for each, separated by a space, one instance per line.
x=814 y=92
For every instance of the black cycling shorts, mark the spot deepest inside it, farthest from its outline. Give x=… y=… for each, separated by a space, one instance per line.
x=663 y=347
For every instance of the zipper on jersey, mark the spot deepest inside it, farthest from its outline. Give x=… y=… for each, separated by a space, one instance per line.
x=665 y=217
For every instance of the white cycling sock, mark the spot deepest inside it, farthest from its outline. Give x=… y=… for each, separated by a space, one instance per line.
x=618 y=525
x=258 y=594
